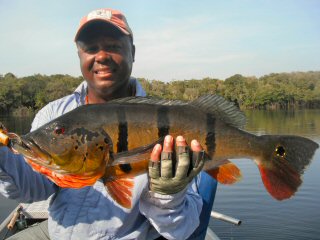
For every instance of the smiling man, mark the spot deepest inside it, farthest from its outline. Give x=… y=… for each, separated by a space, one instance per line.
x=106 y=56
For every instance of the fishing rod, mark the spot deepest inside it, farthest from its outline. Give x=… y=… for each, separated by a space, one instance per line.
x=225 y=218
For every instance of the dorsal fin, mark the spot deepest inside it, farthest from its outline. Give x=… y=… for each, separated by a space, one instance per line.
x=222 y=109
x=149 y=100
x=213 y=104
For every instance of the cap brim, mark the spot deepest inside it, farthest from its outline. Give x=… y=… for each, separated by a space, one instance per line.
x=87 y=24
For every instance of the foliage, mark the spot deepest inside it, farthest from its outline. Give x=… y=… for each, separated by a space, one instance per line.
x=273 y=91
x=33 y=92
x=276 y=90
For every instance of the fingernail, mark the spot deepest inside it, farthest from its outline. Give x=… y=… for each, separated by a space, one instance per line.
x=195 y=143
x=156 y=148
x=180 y=139
x=168 y=140
x=156 y=153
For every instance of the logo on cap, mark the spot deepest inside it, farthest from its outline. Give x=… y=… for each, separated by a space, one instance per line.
x=101 y=13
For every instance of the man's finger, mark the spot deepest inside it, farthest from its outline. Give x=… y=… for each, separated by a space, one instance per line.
x=154 y=163
x=197 y=153
x=166 y=157
x=183 y=158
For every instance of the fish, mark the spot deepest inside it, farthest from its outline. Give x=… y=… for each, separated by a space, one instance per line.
x=113 y=142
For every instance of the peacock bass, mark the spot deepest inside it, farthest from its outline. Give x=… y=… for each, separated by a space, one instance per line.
x=114 y=140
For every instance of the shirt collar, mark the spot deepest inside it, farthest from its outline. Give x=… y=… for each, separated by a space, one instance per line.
x=81 y=90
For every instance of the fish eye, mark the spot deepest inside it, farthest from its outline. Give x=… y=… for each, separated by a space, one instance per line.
x=59 y=130
x=280 y=151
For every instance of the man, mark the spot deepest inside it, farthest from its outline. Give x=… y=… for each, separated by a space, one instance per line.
x=162 y=206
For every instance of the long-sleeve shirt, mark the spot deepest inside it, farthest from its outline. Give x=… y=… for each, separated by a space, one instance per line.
x=89 y=212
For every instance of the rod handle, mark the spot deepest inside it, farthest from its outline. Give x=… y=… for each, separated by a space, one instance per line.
x=225 y=218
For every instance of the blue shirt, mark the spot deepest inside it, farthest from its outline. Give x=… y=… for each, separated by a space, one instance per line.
x=89 y=212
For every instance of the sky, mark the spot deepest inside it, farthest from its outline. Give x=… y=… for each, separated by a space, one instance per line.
x=175 y=39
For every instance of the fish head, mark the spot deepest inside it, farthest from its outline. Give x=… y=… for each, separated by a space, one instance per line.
x=66 y=147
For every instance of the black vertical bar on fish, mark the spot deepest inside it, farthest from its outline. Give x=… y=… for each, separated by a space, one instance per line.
x=163 y=128
x=122 y=144
x=163 y=122
x=210 y=138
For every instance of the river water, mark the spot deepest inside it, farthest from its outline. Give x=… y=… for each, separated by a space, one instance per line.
x=262 y=216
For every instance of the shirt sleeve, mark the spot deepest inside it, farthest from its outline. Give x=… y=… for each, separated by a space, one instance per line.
x=173 y=216
x=18 y=180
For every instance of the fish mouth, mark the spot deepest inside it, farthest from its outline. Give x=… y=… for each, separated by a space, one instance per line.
x=31 y=150
x=40 y=156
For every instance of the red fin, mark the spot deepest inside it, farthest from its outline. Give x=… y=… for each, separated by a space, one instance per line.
x=281 y=181
x=66 y=180
x=227 y=173
x=121 y=191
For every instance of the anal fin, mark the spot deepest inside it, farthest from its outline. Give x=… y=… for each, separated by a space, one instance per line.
x=121 y=191
x=227 y=173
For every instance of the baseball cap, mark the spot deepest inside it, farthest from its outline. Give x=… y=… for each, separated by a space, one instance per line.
x=114 y=17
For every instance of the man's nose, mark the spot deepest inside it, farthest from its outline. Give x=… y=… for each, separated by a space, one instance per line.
x=103 y=56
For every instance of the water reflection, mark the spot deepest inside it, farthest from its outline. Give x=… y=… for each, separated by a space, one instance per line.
x=19 y=125
x=299 y=122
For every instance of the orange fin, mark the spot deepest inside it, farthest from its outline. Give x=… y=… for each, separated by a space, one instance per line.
x=281 y=181
x=121 y=191
x=65 y=180
x=227 y=173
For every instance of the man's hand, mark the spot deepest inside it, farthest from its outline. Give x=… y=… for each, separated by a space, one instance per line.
x=173 y=172
x=4 y=139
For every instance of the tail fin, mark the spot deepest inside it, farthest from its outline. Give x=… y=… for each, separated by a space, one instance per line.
x=283 y=163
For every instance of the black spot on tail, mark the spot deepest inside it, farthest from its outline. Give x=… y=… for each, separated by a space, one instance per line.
x=163 y=122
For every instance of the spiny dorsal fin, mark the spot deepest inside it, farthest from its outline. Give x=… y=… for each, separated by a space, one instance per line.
x=216 y=105
x=221 y=109
x=149 y=100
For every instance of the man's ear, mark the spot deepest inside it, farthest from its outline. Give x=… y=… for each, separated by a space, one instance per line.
x=77 y=49
x=133 y=51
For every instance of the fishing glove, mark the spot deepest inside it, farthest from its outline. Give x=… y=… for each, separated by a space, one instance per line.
x=173 y=173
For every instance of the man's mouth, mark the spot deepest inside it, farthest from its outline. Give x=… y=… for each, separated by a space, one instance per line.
x=104 y=72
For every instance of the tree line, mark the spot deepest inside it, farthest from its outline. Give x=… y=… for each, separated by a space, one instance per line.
x=272 y=91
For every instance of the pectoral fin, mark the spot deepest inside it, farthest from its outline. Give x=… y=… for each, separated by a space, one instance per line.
x=227 y=173
x=134 y=155
x=121 y=191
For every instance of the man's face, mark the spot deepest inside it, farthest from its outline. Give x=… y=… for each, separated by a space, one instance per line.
x=106 y=57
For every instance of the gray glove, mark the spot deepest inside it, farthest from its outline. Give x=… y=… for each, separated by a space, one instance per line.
x=167 y=179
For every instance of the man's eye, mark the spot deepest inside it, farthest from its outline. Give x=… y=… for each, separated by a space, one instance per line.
x=114 y=47
x=91 y=49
